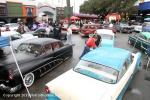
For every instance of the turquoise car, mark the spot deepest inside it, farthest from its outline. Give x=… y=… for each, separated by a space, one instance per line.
x=102 y=74
x=108 y=37
x=140 y=40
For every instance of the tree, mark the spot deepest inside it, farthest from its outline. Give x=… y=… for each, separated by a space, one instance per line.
x=103 y=7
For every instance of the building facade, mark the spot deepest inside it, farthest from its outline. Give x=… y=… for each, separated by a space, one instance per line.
x=46 y=12
x=3 y=10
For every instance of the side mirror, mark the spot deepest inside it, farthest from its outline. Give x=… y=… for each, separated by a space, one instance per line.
x=28 y=50
x=16 y=50
x=36 y=53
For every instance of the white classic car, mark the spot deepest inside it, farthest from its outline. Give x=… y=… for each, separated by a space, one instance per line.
x=17 y=38
x=108 y=37
x=103 y=76
x=12 y=26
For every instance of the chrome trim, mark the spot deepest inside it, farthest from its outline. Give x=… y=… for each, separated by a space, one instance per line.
x=10 y=89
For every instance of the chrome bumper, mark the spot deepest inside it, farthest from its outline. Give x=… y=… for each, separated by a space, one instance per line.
x=8 y=89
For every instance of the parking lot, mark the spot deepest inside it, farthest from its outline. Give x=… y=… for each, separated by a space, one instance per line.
x=139 y=88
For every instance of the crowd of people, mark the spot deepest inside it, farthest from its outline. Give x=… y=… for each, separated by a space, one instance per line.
x=56 y=28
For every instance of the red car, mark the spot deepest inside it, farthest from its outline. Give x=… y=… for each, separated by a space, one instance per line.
x=89 y=29
x=75 y=28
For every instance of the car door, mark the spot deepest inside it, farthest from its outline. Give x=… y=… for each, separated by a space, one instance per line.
x=61 y=51
x=124 y=79
x=47 y=59
x=142 y=41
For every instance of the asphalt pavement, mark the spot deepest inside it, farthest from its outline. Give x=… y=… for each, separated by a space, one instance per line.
x=139 y=88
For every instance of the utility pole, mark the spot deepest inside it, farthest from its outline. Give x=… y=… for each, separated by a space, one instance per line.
x=69 y=12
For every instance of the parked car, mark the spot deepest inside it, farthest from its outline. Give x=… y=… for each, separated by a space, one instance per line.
x=12 y=26
x=2 y=23
x=75 y=28
x=140 y=40
x=146 y=27
x=23 y=38
x=110 y=27
x=137 y=27
x=16 y=37
x=35 y=58
x=104 y=76
x=124 y=28
x=108 y=37
x=42 y=32
x=12 y=34
x=89 y=29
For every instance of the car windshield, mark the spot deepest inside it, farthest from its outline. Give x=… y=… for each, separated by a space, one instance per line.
x=30 y=48
x=106 y=36
x=16 y=36
x=97 y=71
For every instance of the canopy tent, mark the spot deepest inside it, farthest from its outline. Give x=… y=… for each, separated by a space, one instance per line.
x=6 y=41
x=74 y=18
x=113 y=16
x=144 y=6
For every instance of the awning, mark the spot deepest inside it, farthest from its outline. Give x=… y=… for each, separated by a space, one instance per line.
x=4 y=41
x=144 y=6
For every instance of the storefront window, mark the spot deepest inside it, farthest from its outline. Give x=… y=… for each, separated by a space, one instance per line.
x=2 y=11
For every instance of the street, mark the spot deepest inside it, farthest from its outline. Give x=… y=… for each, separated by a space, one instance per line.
x=139 y=88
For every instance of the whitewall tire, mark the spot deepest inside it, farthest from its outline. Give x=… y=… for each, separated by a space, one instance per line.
x=29 y=79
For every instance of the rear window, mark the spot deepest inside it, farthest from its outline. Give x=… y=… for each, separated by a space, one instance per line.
x=97 y=71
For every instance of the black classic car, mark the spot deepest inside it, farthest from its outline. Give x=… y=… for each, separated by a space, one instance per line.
x=35 y=58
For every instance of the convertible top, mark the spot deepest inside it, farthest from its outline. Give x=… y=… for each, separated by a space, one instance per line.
x=41 y=41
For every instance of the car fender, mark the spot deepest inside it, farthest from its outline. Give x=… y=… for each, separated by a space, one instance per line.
x=138 y=60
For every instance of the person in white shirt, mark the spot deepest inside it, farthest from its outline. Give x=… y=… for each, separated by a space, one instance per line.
x=69 y=35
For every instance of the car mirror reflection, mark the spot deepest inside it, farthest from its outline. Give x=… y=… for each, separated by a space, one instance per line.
x=16 y=50
x=36 y=53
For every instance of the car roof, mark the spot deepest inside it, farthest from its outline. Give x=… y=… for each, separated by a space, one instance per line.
x=9 y=33
x=146 y=34
x=104 y=31
x=41 y=41
x=108 y=56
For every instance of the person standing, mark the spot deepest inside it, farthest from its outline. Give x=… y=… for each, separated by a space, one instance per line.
x=69 y=35
x=90 y=44
x=98 y=40
x=55 y=32
x=59 y=31
x=7 y=28
x=21 y=29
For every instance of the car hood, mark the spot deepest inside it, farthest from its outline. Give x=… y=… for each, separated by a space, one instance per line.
x=75 y=86
x=21 y=58
x=107 y=42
